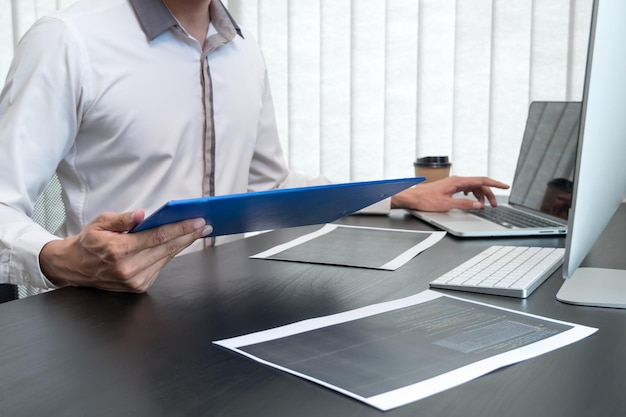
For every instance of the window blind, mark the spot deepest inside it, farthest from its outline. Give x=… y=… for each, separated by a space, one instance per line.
x=363 y=87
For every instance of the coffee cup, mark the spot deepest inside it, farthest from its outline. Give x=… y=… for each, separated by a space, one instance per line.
x=432 y=167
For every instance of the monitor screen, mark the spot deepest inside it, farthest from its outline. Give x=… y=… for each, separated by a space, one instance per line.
x=600 y=176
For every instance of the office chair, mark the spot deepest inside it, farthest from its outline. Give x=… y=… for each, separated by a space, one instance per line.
x=8 y=292
x=49 y=212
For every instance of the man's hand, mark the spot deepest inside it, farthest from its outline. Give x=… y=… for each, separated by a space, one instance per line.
x=103 y=255
x=438 y=195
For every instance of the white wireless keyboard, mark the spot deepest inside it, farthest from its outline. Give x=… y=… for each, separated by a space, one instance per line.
x=514 y=271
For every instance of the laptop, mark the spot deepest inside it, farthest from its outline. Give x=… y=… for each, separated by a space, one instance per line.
x=542 y=185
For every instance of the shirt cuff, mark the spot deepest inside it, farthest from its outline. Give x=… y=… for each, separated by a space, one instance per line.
x=25 y=253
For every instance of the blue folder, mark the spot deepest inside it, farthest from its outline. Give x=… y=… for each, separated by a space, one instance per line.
x=277 y=209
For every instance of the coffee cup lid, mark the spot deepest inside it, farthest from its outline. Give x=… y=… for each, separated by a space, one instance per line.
x=432 y=161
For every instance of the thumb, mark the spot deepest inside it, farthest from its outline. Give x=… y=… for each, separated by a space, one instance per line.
x=119 y=222
x=467 y=204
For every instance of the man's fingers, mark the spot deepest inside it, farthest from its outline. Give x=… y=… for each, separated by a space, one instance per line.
x=472 y=183
x=195 y=228
x=140 y=250
x=154 y=248
x=165 y=242
x=488 y=182
x=490 y=196
x=466 y=204
x=116 y=222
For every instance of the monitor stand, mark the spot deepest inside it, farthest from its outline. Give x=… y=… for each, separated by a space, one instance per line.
x=596 y=287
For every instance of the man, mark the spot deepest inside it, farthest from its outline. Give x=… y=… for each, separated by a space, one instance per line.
x=131 y=103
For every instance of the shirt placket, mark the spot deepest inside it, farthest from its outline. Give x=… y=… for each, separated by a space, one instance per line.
x=208 y=140
x=208 y=177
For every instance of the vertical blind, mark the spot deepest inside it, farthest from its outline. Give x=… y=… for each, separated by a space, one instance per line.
x=363 y=87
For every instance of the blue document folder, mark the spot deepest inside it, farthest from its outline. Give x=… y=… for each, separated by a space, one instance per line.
x=277 y=209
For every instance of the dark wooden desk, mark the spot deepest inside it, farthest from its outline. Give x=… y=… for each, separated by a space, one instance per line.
x=82 y=352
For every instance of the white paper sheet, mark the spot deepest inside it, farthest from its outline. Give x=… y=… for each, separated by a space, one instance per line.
x=390 y=354
x=399 y=250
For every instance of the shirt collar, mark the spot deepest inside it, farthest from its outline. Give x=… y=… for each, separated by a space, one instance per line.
x=155 y=18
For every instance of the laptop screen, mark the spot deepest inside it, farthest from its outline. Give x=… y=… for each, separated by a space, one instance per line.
x=545 y=168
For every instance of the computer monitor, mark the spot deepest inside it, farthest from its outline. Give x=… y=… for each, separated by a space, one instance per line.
x=600 y=176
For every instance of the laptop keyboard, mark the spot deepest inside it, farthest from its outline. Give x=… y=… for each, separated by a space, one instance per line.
x=509 y=217
x=514 y=271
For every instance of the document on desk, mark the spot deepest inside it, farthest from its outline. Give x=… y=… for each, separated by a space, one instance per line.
x=365 y=247
x=390 y=354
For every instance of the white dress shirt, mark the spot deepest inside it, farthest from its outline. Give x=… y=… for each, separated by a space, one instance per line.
x=129 y=111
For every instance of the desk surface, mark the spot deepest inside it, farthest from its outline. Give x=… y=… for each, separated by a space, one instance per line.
x=78 y=351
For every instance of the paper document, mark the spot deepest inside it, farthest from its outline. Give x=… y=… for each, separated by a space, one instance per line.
x=365 y=247
x=394 y=353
